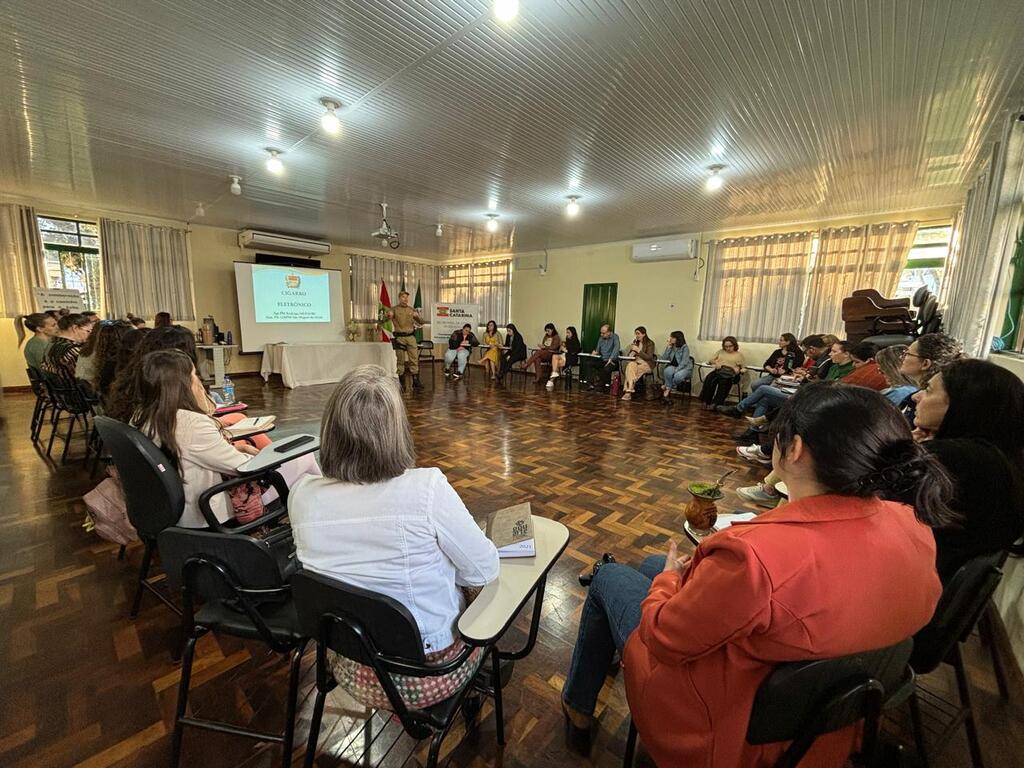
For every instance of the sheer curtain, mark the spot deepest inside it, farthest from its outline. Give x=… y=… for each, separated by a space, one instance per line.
x=755 y=286
x=852 y=258
x=980 y=263
x=21 y=260
x=146 y=270
x=485 y=283
x=367 y=273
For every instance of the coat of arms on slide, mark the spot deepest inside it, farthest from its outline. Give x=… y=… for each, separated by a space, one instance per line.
x=292 y=281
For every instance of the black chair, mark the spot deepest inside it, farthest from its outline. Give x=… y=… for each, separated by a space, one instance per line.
x=800 y=701
x=44 y=403
x=153 y=493
x=963 y=600
x=68 y=401
x=380 y=633
x=238 y=583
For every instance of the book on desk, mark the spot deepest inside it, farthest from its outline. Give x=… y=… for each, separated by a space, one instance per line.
x=511 y=530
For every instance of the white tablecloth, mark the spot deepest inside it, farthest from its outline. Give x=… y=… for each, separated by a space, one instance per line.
x=302 y=365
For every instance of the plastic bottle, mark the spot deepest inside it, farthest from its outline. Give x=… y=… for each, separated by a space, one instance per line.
x=228 y=388
x=227 y=337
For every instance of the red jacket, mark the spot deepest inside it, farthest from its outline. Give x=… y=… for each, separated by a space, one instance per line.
x=820 y=577
x=868 y=375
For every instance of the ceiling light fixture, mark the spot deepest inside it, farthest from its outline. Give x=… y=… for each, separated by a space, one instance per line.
x=236 y=187
x=274 y=164
x=717 y=150
x=439 y=232
x=200 y=211
x=329 y=120
x=492 y=204
x=492 y=222
x=573 y=208
x=715 y=180
x=506 y=10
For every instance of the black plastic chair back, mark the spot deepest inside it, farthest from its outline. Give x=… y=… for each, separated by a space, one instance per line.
x=800 y=701
x=339 y=613
x=153 y=490
x=67 y=394
x=963 y=599
x=35 y=380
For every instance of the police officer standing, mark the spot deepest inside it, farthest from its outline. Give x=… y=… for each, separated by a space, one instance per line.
x=405 y=320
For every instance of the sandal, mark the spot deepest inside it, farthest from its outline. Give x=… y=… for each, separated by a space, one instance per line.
x=587 y=576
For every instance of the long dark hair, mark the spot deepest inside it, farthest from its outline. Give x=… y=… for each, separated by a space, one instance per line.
x=108 y=338
x=985 y=402
x=164 y=384
x=511 y=328
x=124 y=397
x=554 y=331
x=792 y=345
x=571 y=329
x=491 y=324
x=680 y=337
x=862 y=447
x=643 y=331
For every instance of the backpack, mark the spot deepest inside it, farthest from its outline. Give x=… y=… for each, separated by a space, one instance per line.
x=109 y=513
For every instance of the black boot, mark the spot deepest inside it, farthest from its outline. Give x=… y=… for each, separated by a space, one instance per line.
x=416 y=386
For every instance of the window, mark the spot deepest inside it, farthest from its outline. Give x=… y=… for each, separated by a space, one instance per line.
x=487 y=284
x=72 y=255
x=926 y=262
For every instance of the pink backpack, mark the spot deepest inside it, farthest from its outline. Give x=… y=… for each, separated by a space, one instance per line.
x=109 y=513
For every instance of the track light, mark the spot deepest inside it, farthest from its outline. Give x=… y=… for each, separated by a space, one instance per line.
x=492 y=222
x=573 y=208
x=715 y=180
x=329 y=120
x=236 y=187
x=506 y=10
x=274 y=164
x=439 y=232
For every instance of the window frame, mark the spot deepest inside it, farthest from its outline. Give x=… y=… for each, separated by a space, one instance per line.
x=96 y=302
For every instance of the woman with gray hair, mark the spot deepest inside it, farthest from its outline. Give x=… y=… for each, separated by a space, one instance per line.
x=376 y=521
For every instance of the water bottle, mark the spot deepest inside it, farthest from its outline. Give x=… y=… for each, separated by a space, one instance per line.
x=228 y=388
x=227 y=338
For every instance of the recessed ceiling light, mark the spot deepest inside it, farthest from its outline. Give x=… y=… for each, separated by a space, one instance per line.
x=573 y=208
x=329 y=120
x=236 y=186
x=492 y=222
x=715 y=180
x=274 y=164
x=506 y=10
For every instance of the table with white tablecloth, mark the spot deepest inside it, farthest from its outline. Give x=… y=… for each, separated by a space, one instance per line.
x=302 y=365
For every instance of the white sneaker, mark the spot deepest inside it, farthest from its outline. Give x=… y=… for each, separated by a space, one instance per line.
x=761 y=494
x=456 y=376
x=752 y=453
x=550 y=384
x=555 y=375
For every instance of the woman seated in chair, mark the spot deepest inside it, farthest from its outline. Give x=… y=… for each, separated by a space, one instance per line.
x=866 y=372
x=571 y=347
x=515 y=351
x=377 y=522
x=785 y=359
x=846 y=566
x=550 y=345
x=898 y=387
x=928 y=355
x=492 y=357
x=644 y=360
x=174 y=413
x=728 y=365
x=970 y=416
x=679 y=366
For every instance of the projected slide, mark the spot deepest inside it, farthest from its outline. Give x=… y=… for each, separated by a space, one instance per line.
x=290 y=295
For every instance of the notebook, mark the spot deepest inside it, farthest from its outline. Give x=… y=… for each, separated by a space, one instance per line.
x=723 y=522
x=251 y=425
x=511 y=530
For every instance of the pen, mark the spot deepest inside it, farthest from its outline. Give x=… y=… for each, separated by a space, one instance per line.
x=255 y=421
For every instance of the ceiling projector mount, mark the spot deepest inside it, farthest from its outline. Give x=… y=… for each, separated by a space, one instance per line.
x=386 y=234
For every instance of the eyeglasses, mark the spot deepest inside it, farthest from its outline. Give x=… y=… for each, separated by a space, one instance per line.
x=914 y=354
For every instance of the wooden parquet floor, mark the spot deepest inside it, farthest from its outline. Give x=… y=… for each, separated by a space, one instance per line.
x=81 y=685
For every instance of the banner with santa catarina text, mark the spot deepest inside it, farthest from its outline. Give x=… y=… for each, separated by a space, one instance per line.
x=445 y=319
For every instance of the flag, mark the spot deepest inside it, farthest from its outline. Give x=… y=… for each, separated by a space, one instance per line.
x=382 y=313
x=418 y=304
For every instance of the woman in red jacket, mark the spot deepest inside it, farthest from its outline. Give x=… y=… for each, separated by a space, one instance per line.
x=845 y=566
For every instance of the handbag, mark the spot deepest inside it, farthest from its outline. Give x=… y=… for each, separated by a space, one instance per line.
x=247 y=501
x=616 y=384
x=108 y=512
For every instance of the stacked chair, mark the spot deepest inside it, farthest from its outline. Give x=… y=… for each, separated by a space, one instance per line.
x=869 y=316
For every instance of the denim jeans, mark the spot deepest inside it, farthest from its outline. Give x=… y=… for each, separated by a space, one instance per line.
x=762 y=382
x=763 y=400
x=450 y=356
x=676 y=375
x=610 y=614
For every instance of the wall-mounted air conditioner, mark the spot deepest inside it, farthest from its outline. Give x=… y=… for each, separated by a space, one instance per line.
x=677 y=249
x=252 y=238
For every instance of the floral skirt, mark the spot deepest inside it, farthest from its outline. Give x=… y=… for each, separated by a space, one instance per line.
x=417 y=692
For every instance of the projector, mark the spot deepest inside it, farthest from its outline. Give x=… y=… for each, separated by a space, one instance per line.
x=386 y=234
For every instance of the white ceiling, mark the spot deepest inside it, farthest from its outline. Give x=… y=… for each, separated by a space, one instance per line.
x=823 y=108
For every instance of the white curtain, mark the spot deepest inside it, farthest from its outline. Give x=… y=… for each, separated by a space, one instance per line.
x=22 y=267
x=979 y=265
x=485 y=283
x=850 y=259
x=755 y=286
x=146 y=270
x=369 y=271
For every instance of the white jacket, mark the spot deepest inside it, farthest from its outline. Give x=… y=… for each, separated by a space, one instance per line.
x=410 y=538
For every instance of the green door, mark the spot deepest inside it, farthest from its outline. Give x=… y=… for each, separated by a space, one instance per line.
x=598 y=309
